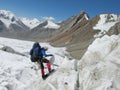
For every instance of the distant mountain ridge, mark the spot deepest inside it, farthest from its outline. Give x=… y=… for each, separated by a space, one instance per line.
x=31 y=23
x=8 y=18
x=10 y=26
x=76 y=33
x=16 y=27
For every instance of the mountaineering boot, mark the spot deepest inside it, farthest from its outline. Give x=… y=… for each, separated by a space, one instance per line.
x=45 y=76
x=50 y=71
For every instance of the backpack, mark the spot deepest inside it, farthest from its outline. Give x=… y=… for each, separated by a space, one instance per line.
x=36 y=54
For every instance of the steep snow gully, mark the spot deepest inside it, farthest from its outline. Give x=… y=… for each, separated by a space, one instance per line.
x=98 y=69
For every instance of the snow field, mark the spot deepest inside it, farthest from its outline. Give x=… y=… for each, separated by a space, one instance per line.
x=98 y=69
x=17 y=72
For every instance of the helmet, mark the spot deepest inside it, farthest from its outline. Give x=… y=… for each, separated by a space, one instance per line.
x=36 y=44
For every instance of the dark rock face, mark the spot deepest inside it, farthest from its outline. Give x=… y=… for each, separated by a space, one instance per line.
x=115 y=29
x=78 y=36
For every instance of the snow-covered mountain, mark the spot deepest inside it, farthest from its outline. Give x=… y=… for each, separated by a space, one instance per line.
x=8 y=15
x=31 y=23
x=8 y=18
x=51 y=24
x=16 y=27
x=10 y=25
x=107 y=21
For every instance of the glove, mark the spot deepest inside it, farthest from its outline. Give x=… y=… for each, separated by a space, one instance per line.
x=51 y=55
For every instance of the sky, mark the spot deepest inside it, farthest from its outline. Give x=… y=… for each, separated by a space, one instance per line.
x=60 y=10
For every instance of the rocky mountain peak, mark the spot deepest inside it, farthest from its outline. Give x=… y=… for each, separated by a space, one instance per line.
x=51 y=24
x=31 y=23
x=80 y=17
x=110 y=17
x=7 y=15
x=83 y=14
x=106 y=21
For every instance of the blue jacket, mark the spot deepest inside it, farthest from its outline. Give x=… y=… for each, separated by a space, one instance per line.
x=44 y=53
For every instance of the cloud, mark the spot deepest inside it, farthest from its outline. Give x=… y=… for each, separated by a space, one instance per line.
x=49 y=18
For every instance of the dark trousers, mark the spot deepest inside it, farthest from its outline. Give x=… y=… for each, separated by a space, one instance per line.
x=41 y=61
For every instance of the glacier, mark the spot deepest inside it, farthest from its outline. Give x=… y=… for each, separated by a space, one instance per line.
x=98 y=69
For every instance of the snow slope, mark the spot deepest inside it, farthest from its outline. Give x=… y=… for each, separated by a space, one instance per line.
x=99 y=68
x=19 y=73
x=106 y=22
x=31 y=23
x=50 y=24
